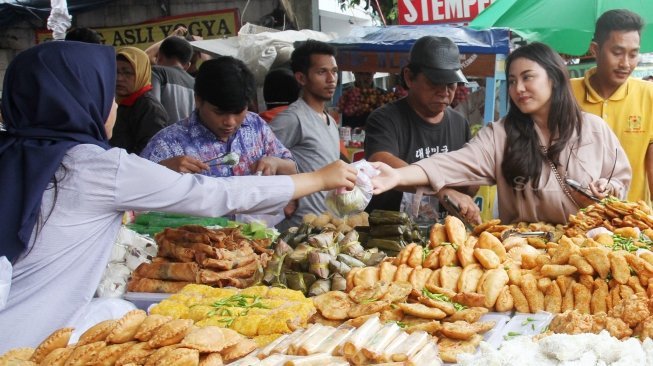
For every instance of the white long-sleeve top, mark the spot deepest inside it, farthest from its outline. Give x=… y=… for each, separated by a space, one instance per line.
x=57 y=276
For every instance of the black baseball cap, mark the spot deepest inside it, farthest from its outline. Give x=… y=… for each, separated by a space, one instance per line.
x=438 y=58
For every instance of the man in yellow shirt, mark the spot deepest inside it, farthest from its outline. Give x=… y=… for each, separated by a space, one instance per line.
x=625 y=103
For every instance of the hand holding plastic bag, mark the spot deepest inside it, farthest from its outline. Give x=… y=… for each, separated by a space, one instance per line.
x=342 y=202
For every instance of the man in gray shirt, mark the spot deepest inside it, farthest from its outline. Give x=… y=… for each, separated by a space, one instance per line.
x=171 y=84
x=305 y=128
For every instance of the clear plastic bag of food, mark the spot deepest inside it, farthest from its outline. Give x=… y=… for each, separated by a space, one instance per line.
x=342 y=202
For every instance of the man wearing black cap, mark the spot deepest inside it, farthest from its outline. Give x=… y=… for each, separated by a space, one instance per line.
x=421 y=124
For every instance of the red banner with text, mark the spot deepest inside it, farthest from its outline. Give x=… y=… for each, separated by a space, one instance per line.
x=413 y=12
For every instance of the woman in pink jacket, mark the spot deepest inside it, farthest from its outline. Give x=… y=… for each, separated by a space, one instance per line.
x=543 y=141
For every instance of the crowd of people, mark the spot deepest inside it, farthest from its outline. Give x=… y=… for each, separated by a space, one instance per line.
x=99 y=131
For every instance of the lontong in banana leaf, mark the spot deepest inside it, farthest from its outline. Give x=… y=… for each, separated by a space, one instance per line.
x=300 y=281
x=371 y=257
x=350 y=244
x=339 y=267
x=318 y=263
x=350 y=261
x=338 y=282
x=319 y=287
x=383 y=217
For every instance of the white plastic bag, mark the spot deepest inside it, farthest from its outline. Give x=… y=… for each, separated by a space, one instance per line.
x=6 y=271
x=342 y=202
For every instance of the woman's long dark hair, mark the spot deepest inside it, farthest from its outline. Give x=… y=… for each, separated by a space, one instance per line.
x=523 y=157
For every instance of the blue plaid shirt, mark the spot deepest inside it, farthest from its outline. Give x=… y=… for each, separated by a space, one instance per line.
x=252 y=141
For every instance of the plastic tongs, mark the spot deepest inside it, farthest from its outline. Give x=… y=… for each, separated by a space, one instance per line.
x=454 y=210
x=230 y=159
x=527 y=234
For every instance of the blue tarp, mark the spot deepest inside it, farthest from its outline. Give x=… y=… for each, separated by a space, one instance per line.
x=399 y=38
x=13 y=11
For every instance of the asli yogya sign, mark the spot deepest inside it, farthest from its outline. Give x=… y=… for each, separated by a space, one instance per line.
x=208 y=25
x=413 y=12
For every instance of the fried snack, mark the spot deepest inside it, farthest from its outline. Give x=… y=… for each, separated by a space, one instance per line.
x=582 y=298
x=437 y=235
x=469 y=278
x=402 y=257
x=149 y=325
x=98 y=332
x=555 y=270
x=208 y=339
x=58 y=339
x=441 y=290
x=463 y=330
x=487 y=258
x=566 y=247
x=403 y=273
x=564 y=282
x=571 y=322
x=514 y=272
x=485 y=226
x=422 y=311
x=137 y=284
x=20 y=354
x=601 y=292
x=428 y=326
x=470 y=315
x=350 y=278
x=633 y=282
x=619 y=267
x=449 y=277
x=644 y=329
x=515 y=253
x=581 y=264
x=618 y=328
x=397 y=292
x=211 y=359
x=465 y=252
x=59 y=356
x=568 y=298
x=434 y=279
x=447 y=307
x=447 y=256
x=598 y=258
x=367 y=308
x=505 y=301
x=415 y=256
x=455 y=229
x=333 y=305
x=519 y=300
x=126 y=327
x=543 y=283
x=387 y=271
x=450 y=348
x=432 y=260
x=489 y=241
x=514 y=241
x=528 y=260
x=136 y=354
x=492 y=285
x=553 y=298
x=180 y=356
x=367 y=293
x=418 y=278
x=108 y=355
x=86 y=353
x=209 y=277
x=641 y=267
x=168 y=271
x=170 y=333
x=471 y=299
x=170 y=250
x=533 y=295
x=632 y=310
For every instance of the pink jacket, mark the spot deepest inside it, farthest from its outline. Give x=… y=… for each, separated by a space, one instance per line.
x=479 y=163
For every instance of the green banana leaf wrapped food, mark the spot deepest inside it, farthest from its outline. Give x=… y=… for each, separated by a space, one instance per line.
x=338 y=282
x=350 y=261
x=300 y=281
x=318 y=263
x=339 y=267
x=319 y=287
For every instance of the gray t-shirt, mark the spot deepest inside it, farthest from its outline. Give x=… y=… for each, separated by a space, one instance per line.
x=313 y=144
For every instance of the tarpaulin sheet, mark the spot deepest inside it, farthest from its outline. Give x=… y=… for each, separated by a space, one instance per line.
x=12 y=11
x=400 y=38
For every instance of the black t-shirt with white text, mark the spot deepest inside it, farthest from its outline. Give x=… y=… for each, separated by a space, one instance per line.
x=397 y=129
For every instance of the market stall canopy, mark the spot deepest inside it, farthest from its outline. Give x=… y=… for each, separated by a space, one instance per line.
x=12 y=11
x=567 y=26
x=385 y=49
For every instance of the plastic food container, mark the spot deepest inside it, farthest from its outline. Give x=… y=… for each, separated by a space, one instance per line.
x=143 y=300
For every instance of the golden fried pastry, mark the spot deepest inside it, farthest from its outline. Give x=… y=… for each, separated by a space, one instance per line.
x=644 y=329
x=181 y=357
x=572 y=322
x=463 y=330
x=170 y=333
x=418 y=279
x=449 y=277
x=471 y=299
x=366 y=293
x=447 y=256
x=238 y=350
x=618 y=328
x=425 y=325
x=387 y=271
x=126 y=327
x=108 y=355
x=632 y=310
x=58 y=339
x=555 y=270
x=84 y=354
x=598 y=258
x=619 y=267
x=422 y=311
x=491 y=242
x=137 y=354
x=23 y=353
x=432 y=260
x=487 y=258
x=415 y=256
x=211 y=359
x=156 y=356
x=207 y=339
x=96 y=333
x=553 y=298
x=402 y=273
x=505 y=301
x=455 y=230
x=451 y=348
x=397 y=292
x=469 y=315
x=58 y=357
x=469 y=277
x=465 y=252
x=491 y=287
x=367 y=308
x=519 y=300
x=447 y=307
x=601 y=292
x=149 y=325
x=366 y=276
x=437 y=235
x=333 y=305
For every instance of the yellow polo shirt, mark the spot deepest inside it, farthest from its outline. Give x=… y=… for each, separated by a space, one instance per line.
x=629 y=113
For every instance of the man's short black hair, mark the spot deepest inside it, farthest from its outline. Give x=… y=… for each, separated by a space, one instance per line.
x=616 y=20
x=86 y=35
x=226 y=83
x=280 y=88
x=176 y=48
x=300 y=61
